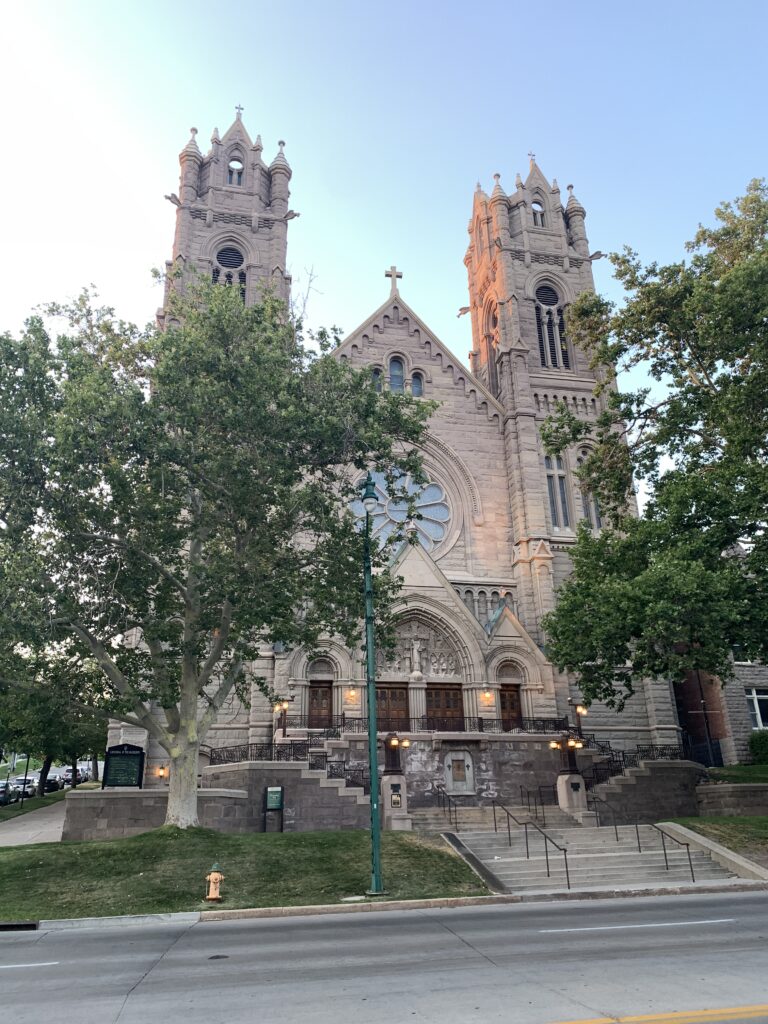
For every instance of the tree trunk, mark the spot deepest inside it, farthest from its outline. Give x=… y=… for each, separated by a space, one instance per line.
x=94 y=767
x=74 y=774
x=47 y=762
x=182 y=788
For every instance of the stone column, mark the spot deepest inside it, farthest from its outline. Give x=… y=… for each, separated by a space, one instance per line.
x=417 y=695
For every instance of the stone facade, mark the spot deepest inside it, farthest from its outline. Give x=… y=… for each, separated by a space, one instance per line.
x=498 y=516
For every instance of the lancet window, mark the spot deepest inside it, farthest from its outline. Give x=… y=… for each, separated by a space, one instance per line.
x=557 y=491
x=590 y=506
x=550 y=329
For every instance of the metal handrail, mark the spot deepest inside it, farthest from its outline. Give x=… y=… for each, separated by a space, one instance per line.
x=680 y=842
x=447 y=801
x=599 y=800
x=526 y=796
x=547 y=839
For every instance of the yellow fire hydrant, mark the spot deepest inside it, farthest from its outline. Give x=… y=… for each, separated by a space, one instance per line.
x=214 y=878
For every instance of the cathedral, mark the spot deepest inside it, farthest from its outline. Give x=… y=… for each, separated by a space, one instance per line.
x=497 y=514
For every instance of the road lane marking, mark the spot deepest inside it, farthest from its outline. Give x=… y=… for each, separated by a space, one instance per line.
x=624 y=927
x=725 y=1013
x=10 y=967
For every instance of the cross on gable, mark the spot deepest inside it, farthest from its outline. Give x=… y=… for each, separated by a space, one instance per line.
x=239 y=110
x=393 y=273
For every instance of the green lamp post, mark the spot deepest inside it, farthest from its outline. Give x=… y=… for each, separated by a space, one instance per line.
x=369 y=504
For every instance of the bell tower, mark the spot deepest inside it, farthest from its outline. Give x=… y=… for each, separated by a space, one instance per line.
x=231 y=216
x=527 y=260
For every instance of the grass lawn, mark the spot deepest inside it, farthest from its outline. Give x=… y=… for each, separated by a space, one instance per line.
x=746 y=835
x=740 y=773
x=164 y=871
x=34 y=803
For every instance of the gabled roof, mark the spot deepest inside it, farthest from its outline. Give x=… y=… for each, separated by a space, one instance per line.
x=427 y=338
x=504 y=624
x=237 y=133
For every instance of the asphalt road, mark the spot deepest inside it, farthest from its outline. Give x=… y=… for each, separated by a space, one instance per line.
x=587 y=961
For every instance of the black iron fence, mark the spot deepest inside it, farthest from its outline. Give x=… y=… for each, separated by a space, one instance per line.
x=617 y=761
x=334 y=725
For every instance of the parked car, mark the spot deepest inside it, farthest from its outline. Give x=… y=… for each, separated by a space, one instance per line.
x=9 y=793
x=68 y=777
x=54 y=783
x=28 y=788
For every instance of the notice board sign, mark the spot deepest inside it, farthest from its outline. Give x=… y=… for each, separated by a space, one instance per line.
x=274 y=798
x=123 y=766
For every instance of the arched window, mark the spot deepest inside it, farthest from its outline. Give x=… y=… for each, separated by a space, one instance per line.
x=235 y=171
x=550 y=328
x=417 y=385
x=557 y=491
x=396 y=376
x=590 y=507
x=376 y=376
x=538 y=214
x=228 y=260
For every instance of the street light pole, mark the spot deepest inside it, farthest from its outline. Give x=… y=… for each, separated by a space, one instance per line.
x=369 y=503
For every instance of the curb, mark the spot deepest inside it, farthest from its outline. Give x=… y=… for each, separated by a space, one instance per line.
x=124 y=921
x=319 y=910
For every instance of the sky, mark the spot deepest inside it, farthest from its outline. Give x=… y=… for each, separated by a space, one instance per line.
x=391 y=113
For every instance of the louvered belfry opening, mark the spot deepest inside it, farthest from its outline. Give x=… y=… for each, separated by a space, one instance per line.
x=230 y=257
x=550 y=329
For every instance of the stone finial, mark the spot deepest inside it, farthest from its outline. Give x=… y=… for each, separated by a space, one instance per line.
x=191 y=146
x=497 y=189
x=280 y=160
x=478 y=187
x=519 y=181
x=555 y=186
x=258 y=144
x=215 y=137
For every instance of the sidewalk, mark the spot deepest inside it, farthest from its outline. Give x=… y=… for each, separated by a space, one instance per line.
x=42 y=826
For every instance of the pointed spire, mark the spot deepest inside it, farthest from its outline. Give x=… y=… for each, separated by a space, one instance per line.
x=519 y=182
x=498 y=191
x=573 y=205
x=191 y=147
x=280 y=160
x=258 y=144
x=215 y=137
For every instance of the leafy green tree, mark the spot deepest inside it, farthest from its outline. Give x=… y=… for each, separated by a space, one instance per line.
x=44 y=714
x=685 y=584
x=172 y=501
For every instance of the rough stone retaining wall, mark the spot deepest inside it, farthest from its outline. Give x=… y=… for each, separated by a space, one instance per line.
x=729 y=799
x=655 y=792
x=117 y=813
x=308 y=805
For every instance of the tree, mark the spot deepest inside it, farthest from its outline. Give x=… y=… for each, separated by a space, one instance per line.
x=174 y=500
x=46 y=717
x=684 y=585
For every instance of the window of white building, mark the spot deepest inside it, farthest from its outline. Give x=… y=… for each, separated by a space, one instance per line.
x=757 y=702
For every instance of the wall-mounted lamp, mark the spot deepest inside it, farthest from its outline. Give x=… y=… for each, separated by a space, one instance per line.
x=487 y=693
x=162 y=772
x=352 y=691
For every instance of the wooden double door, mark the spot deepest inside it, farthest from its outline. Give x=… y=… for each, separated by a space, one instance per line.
x=392 y=709
x=445 y=708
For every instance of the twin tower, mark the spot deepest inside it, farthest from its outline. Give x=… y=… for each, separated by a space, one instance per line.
x=527 y=259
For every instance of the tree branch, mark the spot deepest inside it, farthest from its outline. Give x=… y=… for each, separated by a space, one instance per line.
x=155 y=562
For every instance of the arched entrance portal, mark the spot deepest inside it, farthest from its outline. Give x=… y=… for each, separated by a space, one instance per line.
x=510 y=705
x=420 y=683
x=320 y=694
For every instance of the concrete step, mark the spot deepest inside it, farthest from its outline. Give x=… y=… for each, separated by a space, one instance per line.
x=595 y=859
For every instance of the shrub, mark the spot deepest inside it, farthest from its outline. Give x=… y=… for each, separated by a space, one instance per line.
x=758 y=746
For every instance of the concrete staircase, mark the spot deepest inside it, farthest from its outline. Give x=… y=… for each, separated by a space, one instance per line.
x=596 y=861
x=479 y=819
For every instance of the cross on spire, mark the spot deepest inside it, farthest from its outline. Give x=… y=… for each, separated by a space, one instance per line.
x=393 y=273
x=239 y=110
x=532 y=157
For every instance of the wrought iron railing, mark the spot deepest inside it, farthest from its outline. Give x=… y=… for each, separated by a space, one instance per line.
x=334 y=725
x=307 y=750
x=617 y=761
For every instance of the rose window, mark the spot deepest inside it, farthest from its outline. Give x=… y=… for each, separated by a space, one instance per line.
x=429 y=503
